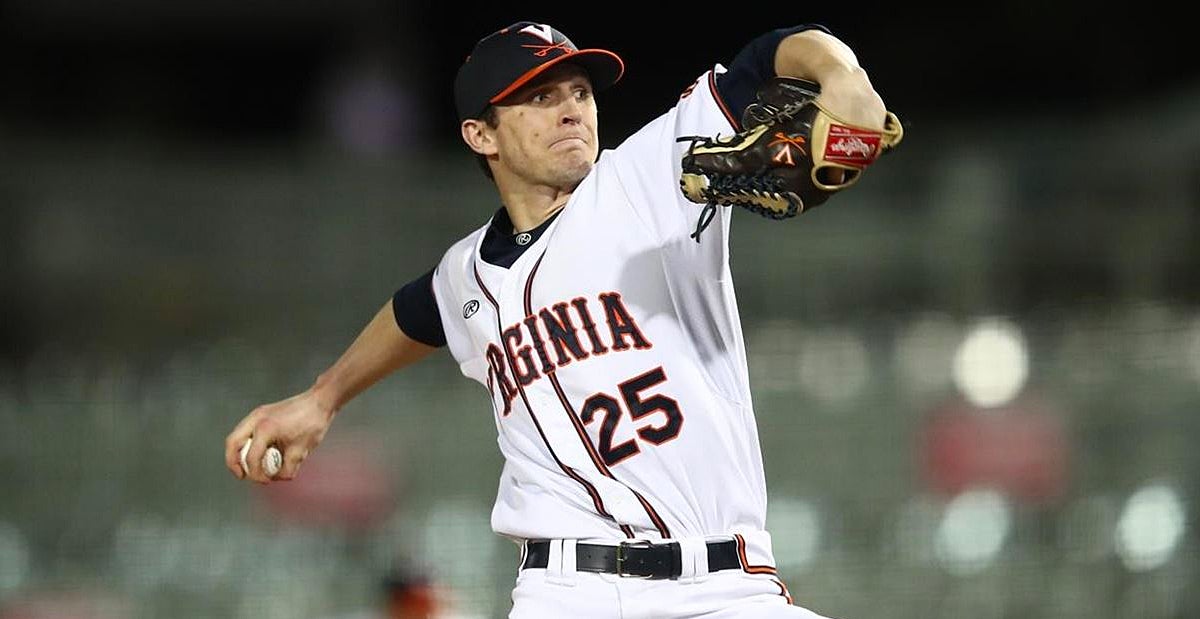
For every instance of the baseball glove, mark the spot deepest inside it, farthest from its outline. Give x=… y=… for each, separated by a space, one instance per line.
x=790 y=156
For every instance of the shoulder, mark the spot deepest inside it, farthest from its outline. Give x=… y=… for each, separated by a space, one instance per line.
x=698 y=110
x=462 y=252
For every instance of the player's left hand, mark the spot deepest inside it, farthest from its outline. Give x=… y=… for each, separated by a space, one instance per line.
x=792 y=154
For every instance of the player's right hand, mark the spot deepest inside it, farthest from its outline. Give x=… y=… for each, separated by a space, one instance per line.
x=295 y=426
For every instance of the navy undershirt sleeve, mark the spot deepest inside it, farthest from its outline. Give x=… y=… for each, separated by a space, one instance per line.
x=416 y=311
x=752 y=67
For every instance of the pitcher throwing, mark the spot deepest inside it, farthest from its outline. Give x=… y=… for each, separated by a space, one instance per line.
x=604 y=329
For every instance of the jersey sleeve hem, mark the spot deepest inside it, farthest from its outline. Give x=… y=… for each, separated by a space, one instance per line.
x=414 y=307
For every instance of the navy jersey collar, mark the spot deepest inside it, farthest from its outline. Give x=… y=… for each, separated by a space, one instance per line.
x=501 y=246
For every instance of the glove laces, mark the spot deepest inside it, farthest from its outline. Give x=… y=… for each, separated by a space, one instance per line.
x=722 y=187
x=759 y=186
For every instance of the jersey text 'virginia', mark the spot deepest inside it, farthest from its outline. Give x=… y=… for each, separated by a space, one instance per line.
x=553 y=336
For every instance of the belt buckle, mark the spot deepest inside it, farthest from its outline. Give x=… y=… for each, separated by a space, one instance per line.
x=621 y=546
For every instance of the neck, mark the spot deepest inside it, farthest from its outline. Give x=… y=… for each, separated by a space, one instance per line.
x=528 y=209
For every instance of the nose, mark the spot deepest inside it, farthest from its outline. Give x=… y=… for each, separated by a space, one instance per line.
x=572 y=111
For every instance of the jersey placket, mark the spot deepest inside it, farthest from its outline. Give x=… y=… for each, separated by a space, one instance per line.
x=552 y=398
x=563 y=447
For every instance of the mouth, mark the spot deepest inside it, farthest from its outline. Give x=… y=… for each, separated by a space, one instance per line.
x=569 y=141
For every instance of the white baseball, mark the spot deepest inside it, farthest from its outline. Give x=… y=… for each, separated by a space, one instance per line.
x=272 y=459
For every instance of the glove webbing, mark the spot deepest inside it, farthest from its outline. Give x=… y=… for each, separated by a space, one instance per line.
x=726 y=185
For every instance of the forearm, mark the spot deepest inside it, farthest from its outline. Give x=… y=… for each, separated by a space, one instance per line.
x=846 y=91
x=380 y=349
x=814 y=55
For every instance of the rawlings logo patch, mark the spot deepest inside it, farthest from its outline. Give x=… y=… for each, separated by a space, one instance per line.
x=856 y=147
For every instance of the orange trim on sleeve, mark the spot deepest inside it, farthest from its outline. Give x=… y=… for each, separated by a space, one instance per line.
x=712 y=87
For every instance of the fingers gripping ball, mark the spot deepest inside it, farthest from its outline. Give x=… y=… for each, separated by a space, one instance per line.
x=272 y=460
x=791 y=155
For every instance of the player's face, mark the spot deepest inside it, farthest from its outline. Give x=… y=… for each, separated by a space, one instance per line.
x=546 y=133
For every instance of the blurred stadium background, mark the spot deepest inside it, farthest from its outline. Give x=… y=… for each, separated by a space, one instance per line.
x=977 y=375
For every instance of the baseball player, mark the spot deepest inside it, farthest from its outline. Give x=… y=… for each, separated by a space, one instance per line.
x=607 y=338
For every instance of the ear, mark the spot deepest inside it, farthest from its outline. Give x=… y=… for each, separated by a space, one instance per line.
x=479 y=137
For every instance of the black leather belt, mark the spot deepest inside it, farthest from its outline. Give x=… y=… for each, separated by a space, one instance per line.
x=634 y=559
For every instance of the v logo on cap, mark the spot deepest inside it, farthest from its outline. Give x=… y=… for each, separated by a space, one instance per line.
x=541 y=31
x=505 y=60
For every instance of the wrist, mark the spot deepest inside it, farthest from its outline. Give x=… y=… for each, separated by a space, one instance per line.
x=325 y=394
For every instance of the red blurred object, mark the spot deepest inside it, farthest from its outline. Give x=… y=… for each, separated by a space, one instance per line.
x=343 y=485
x=1020 y=449
x=417 y=600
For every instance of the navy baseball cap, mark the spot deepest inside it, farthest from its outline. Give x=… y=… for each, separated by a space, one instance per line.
x=507 y=59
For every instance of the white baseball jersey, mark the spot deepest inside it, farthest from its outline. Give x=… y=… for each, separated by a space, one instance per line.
x=613 y=353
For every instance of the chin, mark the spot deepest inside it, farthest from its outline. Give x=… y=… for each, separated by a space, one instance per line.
x=574 y=171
